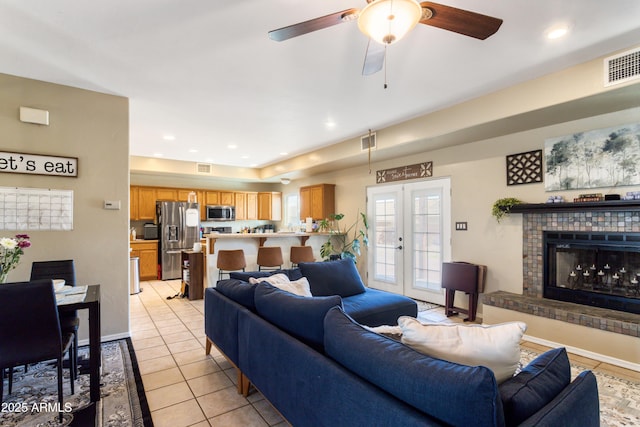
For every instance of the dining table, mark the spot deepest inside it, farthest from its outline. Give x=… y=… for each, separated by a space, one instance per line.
x=75 y=299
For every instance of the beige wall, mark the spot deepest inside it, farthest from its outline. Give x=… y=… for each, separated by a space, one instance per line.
x=478 y=178
x=94 y=128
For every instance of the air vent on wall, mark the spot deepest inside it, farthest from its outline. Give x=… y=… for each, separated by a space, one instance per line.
x=203 y=168
x=622 y=68
x=368 y=141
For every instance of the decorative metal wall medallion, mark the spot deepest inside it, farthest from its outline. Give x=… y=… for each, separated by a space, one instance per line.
x=524 y=168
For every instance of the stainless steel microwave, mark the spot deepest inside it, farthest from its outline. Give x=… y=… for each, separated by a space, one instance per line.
x=221 y=213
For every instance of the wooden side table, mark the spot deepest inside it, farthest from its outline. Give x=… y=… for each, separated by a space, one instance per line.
x=193 y=274
x=462 y=277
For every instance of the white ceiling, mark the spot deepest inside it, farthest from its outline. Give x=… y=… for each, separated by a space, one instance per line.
x=207 y=73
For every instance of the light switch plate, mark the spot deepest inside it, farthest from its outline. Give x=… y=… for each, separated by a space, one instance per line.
x=461 y=226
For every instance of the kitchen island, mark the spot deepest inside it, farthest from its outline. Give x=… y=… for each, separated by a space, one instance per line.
x=250 y=242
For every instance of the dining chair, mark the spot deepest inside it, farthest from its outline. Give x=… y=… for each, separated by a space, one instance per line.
x=230 y=260
x=30 y=330
x=269 y=258
x=61 y=269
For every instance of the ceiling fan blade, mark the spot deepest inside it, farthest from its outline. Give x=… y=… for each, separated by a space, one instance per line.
x=373 y=58
x=305 y=27
x=461 y=21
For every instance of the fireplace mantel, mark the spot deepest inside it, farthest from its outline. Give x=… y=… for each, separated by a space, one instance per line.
x=607 y=205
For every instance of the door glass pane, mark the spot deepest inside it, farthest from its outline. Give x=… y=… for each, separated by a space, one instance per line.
x=427 y=238
x=386 y=235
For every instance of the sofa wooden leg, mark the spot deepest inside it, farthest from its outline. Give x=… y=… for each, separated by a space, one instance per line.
x=207 y=348
x=245 y=385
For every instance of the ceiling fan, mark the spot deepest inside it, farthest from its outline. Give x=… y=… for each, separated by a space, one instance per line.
x=387 y=21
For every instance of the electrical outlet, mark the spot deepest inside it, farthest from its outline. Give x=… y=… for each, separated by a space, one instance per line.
x=461 y=226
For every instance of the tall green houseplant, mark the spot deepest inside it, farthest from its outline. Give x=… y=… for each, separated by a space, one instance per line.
x=344 y=243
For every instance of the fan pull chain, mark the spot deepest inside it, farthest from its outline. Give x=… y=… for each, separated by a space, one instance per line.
x=385 y=66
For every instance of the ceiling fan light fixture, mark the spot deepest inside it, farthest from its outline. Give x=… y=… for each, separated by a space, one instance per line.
x=388 y=21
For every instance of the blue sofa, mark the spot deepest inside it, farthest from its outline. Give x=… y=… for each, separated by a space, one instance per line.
x=319 y=367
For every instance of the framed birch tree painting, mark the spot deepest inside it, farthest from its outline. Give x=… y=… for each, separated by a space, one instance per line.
x=598 y=158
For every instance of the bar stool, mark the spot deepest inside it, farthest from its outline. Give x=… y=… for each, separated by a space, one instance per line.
x=300 y=254
x=269 y=257
x=230 y=260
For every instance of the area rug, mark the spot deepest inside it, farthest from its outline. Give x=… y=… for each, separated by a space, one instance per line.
x=619 y=397
x=123 y=402
x=424 y=306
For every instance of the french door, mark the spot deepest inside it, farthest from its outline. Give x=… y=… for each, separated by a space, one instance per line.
x=409 y=237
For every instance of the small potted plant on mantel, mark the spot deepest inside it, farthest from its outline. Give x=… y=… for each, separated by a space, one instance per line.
x=502 y=207
x=341 y=244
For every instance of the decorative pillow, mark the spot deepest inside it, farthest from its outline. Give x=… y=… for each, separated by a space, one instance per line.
x=302 y=317
x=495 y=346
x=281 y=281
x=333 y=277
x=535 y=386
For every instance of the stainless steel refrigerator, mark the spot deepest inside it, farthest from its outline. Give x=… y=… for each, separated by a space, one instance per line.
x=178 y=230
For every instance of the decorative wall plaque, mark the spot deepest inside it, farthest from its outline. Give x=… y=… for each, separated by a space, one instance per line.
x=38 y=164
x=419 y=170
x=524 y=168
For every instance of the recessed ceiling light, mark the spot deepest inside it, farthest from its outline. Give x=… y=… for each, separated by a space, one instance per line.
x=557 y=32
x=158 y=154
x=244 y=157
x=284 y=154
x=232 y=146
x=193 y=150
x=330 y=124
x=169 y=137
x=253 y=165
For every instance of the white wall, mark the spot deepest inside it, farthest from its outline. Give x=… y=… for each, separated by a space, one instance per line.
x=94 y=128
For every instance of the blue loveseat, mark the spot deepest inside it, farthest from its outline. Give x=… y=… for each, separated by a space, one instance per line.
x=318 y=366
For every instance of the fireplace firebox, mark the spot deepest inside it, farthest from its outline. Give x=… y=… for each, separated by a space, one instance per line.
x=593 y=268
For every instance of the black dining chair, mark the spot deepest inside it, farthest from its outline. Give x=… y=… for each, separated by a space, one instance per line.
x=61 y=269
x=30 y=330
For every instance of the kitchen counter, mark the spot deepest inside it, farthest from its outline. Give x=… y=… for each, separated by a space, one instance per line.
x=250 y=242
x=262 y=237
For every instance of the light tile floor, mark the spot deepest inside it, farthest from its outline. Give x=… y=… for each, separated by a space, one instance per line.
x=185 y=387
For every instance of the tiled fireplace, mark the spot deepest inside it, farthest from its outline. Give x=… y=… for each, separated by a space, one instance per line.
x=575 y=221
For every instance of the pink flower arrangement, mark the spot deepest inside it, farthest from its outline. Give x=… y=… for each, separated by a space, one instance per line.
x=11 y=249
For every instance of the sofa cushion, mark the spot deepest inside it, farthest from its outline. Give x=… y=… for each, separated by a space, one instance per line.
x=302 y=317
x=535 y=386
x=495 y=346
x=281 y=281
x=333 y=277
x=454 y=394
x=239 y=291
x=292 y=274
x=374 y=307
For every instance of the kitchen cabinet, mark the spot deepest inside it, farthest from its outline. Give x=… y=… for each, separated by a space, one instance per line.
x=147 y=251
x=270 y=206
x=212 y=197
x=241 y=205
x=183 y=195
x=167 y=194
x=317 y=201
x=227 y=198
x=146 y=203
x=252 y=206
x=133 y=202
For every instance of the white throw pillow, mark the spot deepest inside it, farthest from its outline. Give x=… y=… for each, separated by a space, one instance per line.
x=495 y=346
x=281 y=281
